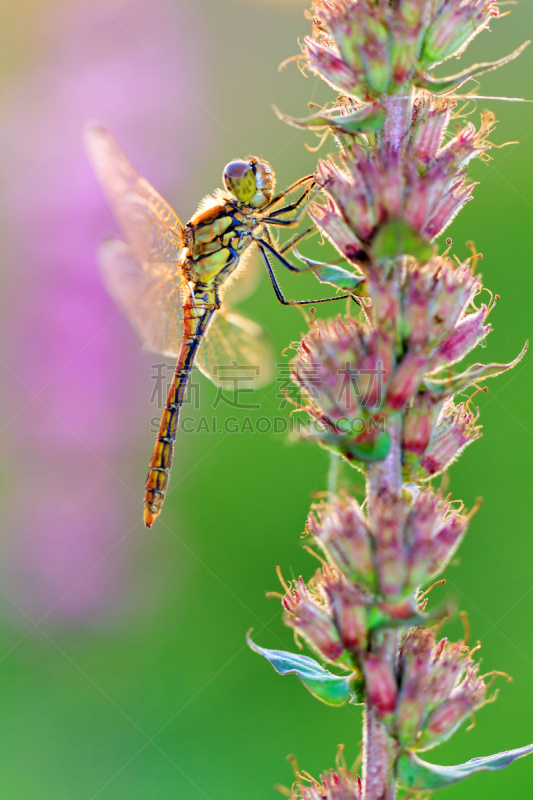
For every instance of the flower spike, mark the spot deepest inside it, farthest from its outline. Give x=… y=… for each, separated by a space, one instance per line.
x=382 y=386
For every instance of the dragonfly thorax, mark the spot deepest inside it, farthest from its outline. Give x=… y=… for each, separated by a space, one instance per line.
x=250 y=182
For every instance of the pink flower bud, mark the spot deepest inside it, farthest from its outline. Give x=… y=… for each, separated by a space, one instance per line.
x=446 y=542
x=372 y=187
x=387 y=183
x=419 y=293
x=322 y=367
x=450 y=714
x=449 y=205
x=433 y=533
x=342 y=531
x=313 y=621
x=406 y=379
x=439 y=686
x=450 y=661
x=410 y=542
x=466 y=144
x=404 y=49
x=385 y=301
x=456 y=24
x=455 y=288
x=348 y=607
x=418 y=424
x=380 y=684
x=343 y=368
x=415 y=12
x=336 y=785
x=430 y=120
x=455 y=429
x=348 y=190
x=389 y=513
x=374 y=53
x=422 y=523
x=416 y=662
x=466 y=335
x=330 y=222
x=326 y=62
x=374 y=369
x=435 y=299
x=366 y=48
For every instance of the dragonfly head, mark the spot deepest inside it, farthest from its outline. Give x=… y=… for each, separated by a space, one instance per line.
x=251 y=182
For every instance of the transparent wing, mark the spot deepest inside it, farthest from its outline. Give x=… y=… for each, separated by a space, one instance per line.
x=152 y=302
x=236 y=349
x=148 y=223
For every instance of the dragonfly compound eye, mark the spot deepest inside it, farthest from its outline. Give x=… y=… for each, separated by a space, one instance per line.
x=265 y=183
x=239 y=179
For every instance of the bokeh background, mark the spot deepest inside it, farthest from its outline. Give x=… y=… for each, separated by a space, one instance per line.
x=122 y=659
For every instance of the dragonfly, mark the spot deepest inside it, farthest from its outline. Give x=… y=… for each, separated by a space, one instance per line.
x=168 y=277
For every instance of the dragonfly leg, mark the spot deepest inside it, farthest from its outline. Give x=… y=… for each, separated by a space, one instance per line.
x=274 y=217
x=282 y=195
x=290 y=207
x=292 y=242
x=296 y=239
x=273 y=250
x=277 y=288
x=288 y=245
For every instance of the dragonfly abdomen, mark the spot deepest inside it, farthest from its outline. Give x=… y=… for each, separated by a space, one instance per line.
x=196 y=320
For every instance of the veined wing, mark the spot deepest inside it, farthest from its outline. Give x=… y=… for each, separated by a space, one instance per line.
x=152 y=302
x=236 y=352
x=148 y=223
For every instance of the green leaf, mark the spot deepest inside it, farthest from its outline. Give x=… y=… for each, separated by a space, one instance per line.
x=413 y=773
x=368 y=119
x=379 y=619
x=397 y=239
x=454 y=82
x=446 y=387
x=357 y=452
x=371 y=449
x=328 y=273
x=331 y=689
x=314 y=121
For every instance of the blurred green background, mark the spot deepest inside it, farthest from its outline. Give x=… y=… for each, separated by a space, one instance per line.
x=152 y=692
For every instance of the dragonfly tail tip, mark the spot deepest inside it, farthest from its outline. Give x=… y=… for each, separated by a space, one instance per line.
x=149 y=517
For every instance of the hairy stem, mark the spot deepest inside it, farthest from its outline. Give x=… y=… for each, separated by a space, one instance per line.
x=379 y=756
x=386 y=475
x=380 y=750
x=397 y=119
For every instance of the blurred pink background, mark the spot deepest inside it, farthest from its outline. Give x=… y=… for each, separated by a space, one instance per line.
x=74 y=384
